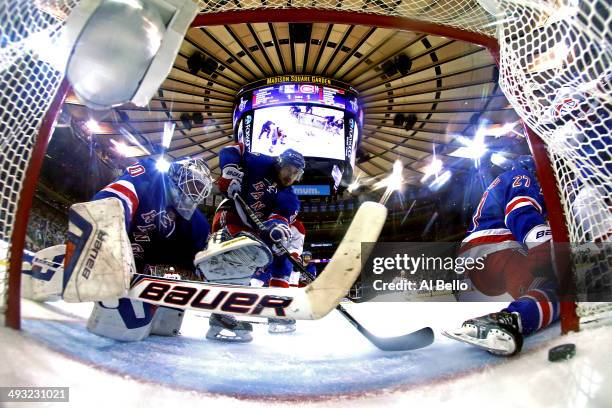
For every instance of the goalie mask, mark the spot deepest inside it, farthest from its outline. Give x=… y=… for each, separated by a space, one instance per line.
x=190 y=183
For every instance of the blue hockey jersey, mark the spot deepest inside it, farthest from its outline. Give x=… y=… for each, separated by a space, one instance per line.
x=311 y=268
x=159 y=235
x=260 y=187
x=511 y=209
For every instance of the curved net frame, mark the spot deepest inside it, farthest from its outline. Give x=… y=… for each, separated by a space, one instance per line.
x=554 y=59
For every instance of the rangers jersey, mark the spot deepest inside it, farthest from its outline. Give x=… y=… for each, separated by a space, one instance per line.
x=511 y=209
x=159 y=235
x=260 y=188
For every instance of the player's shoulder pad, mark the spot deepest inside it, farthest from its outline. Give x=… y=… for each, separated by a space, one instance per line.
x=262 y=159
x=297 y=224
x=238 y=148
x=288 y=202
x=140 y=168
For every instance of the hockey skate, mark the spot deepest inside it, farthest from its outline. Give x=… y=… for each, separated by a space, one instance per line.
x=498 y=333
x=276 y=326
x=227 y=328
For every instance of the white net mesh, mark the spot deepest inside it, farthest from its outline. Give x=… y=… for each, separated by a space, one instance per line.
x=27 y=87
x=556 y=72
x=555 y=60
x=464 y=14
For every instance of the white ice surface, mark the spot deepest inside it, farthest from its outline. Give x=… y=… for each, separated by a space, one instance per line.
x=327 y=361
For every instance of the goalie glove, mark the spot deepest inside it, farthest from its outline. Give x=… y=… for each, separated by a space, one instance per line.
x=230 y=181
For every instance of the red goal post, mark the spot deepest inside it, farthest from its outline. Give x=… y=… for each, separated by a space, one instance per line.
x=517 y=33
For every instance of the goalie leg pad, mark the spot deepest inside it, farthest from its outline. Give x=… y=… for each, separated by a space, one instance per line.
x=43 y=273
x=233 y=260
x=122 y=319
x=99 y=260
x=167 y=321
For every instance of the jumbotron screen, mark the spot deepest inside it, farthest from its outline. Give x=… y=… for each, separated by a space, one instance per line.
x=316 y=116
x=312 y=130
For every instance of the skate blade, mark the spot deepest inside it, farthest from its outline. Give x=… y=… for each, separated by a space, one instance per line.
x=281 y=329
x=229 y=337
x=498 y=349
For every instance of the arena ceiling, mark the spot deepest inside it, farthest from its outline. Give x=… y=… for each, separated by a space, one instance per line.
x=451 y=88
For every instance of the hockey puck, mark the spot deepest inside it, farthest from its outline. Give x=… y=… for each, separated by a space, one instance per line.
x=562 y=352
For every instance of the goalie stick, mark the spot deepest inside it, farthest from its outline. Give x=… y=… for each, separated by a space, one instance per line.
x=312 y=302
x=411 y=341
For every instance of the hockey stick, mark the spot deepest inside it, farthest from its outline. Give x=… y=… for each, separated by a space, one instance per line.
x=312 y=302
x=410 y=341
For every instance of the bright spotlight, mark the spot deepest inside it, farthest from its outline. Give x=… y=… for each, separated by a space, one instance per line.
x=432 y=169
x=162 y=164
x=394 y=180
x=499 y=160
x=440 y=181
x=120 y=147
x=93 y=126
x=353 y=186
x=474 y=148
x=168 y=133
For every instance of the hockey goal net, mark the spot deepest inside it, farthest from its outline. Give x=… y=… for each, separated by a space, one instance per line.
x=555 y=69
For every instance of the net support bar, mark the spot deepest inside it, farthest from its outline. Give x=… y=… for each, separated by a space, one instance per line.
x=560 y=234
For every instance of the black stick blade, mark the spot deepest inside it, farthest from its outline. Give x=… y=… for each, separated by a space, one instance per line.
x=411 y=341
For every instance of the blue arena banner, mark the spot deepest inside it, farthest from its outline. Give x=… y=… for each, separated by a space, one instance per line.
x=305 y=190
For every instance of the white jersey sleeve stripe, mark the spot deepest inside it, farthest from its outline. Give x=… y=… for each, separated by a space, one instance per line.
x=125 y=191
x=519 y=202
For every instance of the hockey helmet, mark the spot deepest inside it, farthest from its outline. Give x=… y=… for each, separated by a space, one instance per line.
x=525 y=162
x=190 y=183
x=306 y=253
x=291 y=157
x=294 y=159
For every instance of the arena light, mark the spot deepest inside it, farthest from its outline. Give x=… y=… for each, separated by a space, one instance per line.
x=168 y=133
x=120 y=51
x=162 y=164
x=499 y=160
x=355 y=184
x=440 y=181
x=397 y=179
x=474 y=148
x=497 y=130
x=394 y=180
x=120 y=147
x=432 y=169
x=93 y=126
x=128 y=151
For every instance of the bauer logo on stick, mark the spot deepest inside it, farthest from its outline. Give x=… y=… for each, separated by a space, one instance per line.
x=176 y=294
